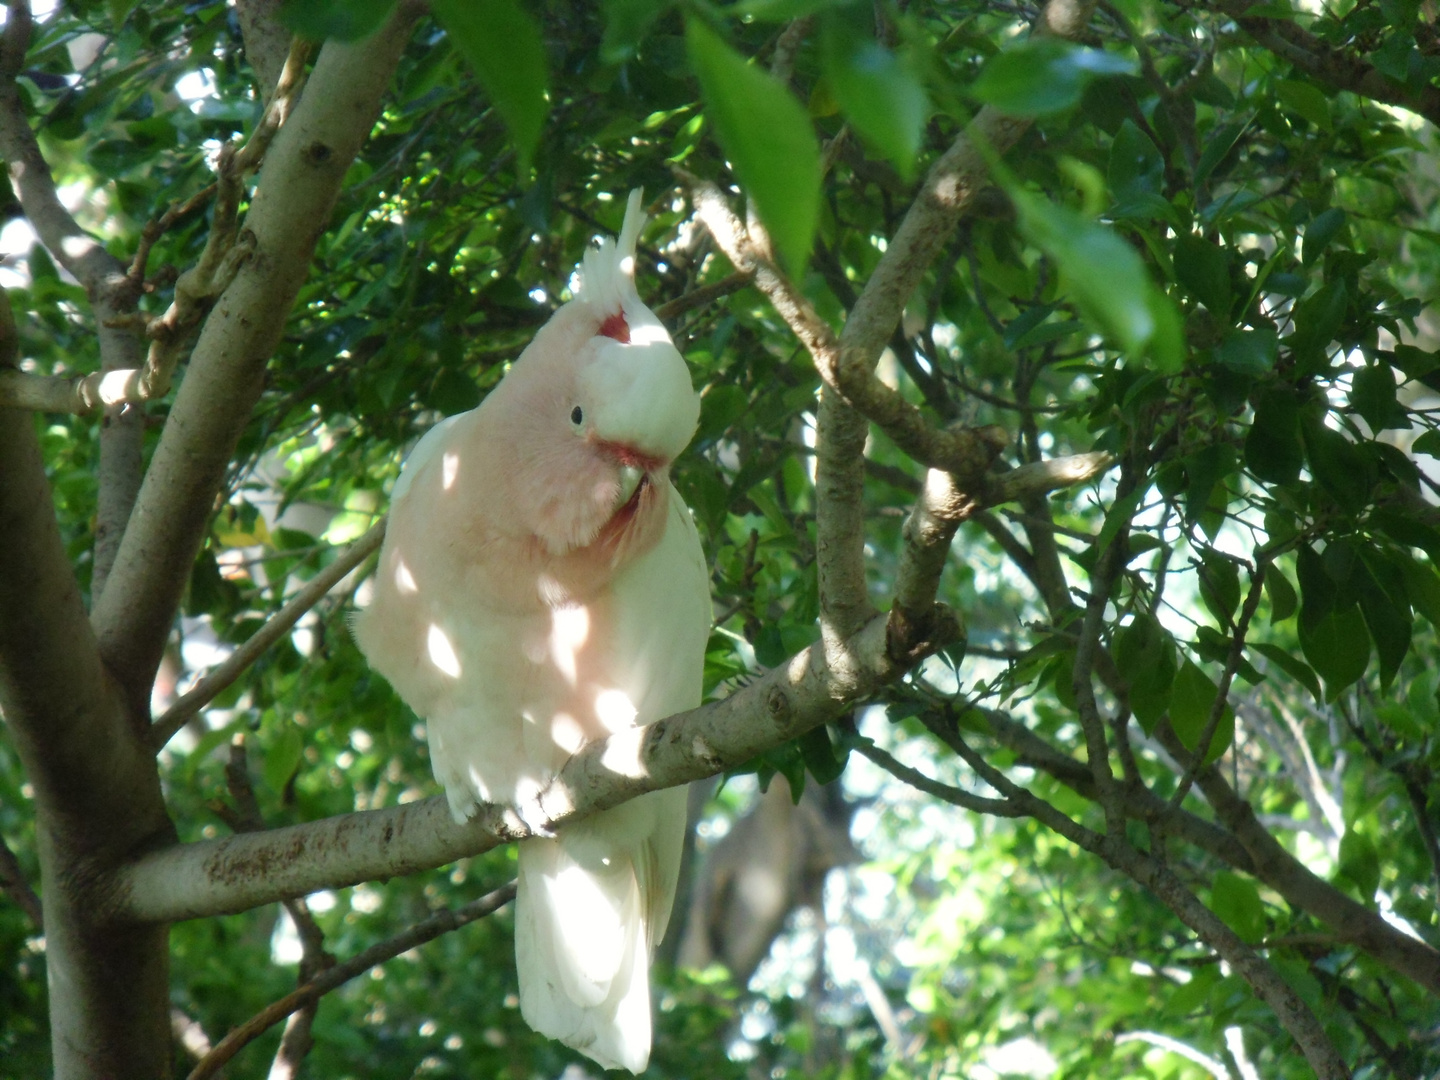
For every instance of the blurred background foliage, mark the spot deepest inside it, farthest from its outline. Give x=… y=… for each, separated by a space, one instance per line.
x=1198 y=258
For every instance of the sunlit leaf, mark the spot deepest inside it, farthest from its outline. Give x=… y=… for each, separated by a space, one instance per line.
x=767 y=136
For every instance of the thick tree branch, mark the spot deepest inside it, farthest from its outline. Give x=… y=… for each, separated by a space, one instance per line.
x=241 y=872
x=1333 y=67
x=255 y=646
x=266 y=39
x=1147 y=870
x=301 y=177
x=442 y=922
x=1303 y=890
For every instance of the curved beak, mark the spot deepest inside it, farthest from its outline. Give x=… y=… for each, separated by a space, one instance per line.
x=630 y=477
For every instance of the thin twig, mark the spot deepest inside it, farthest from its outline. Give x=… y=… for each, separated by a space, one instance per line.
x=442 y=922
x=704 y=294
x=946 y=793
x=179 y=714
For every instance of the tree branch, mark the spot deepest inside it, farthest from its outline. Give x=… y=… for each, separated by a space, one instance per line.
x=302 y=175
x=1302 y=889
x=442 y=922
x=1331 y=66
x=277 y=626
x=240 y=872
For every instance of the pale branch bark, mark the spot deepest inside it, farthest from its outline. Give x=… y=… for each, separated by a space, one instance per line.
x=14 y=885
x=240 y=872
x=927 y=533
x=96 y=800
x=1304 y=890
x=442 y=922
x=299 y=182
x=266 y=39
x=204 y=692
x=1147 y=870
x=111 y=293
x=1332 y=66
x=840 y=431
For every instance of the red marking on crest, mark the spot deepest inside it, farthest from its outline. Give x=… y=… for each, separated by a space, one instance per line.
x=616 y=327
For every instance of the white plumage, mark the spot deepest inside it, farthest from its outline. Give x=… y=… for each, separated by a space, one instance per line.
x=542 y=585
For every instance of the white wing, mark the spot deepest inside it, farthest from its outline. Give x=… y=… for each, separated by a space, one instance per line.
x=595 y=901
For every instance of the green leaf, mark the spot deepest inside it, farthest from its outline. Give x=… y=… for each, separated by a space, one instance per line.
x=1337 y=464
x=1203 y=269
x=1218 y=148
x=1249 y=352
x=1136 y=167
x=1102 y=272
x=1306 y=100
x=1145 y=658
x=1408 y=530
x=1117 y=517
x=282 y=758
x=767 y=136
x=1191 y=700
x=1338 y=648
x=502 y=43
x=1360 y=864
x=1320 y=232
x=1044 y=75
x=1318 y=319
x=1219 y=586
x=1428 y=443
x=340 y=20
x=1423 y=587
x=880 y=94
x=1273 y=451
x=1399 y=719
x=818 y=753
x=1205 y=469
x=1316 y=589
x=1372 y=395
x=1390 y=626
x=1237 y=901
x=1283 y=600
x=1296 y=668
x=626 y=24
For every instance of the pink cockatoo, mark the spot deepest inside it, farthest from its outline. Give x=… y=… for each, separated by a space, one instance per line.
x=542 y=585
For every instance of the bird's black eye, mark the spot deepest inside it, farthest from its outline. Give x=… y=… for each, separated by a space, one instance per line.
x=577 y=416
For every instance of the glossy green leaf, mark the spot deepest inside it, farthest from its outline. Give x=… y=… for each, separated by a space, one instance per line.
x=282 y=757
x=818 y=753
x=1390 y=626
x=501 y=42
x=1306 y=100
x=878 y=91
x=1360 y=864
x=1372 y=395
x=1102 y=272
x=1203 y=270
x=1219 y=586
x=626 y=24
x=1145 y=658
x=1423 y=586
x=340 y=20
x=1318 y=319
x=1217 y=148
x=1320 y=232
x=1337 y=464
x=1281 y=593
x=1273 y=450
x=1292 y=665
x=1192 y=698
x=1249 y=352
x=1044 y=75
x=1338 y=648
x=1136 y=167
x=1237 y=901
x=767 y=136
